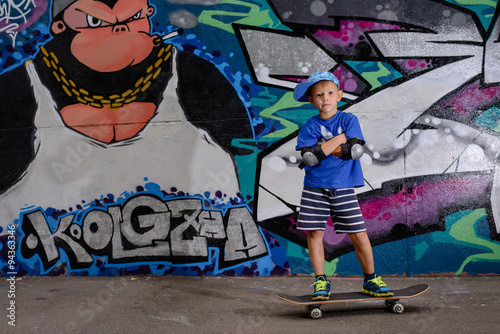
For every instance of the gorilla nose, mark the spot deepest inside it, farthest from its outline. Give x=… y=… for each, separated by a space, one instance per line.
x=120 y=28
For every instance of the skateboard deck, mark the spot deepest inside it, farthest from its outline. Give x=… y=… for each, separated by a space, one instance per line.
x=349 y=297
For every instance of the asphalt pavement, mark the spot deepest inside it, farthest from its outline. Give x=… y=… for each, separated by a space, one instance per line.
x=184 y=304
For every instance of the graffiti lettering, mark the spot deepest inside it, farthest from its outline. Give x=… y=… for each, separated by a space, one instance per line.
x=11 y=11
x=144 y=228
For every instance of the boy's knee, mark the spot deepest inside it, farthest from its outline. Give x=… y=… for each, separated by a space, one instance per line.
x=316 y=235
x=359 y=238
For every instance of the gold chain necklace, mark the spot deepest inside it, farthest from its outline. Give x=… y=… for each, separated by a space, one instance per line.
x=111 y=101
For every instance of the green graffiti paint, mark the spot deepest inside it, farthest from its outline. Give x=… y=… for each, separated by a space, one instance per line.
x=286 y=101
x=420 y=250
x=250 y=13
x=463 y=230
x=375 y=72
x=489 y=119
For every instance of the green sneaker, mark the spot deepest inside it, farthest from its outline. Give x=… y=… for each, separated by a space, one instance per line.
x=376 y=287
x=321 y=289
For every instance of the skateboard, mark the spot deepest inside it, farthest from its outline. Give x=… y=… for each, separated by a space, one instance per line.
x=392 y=303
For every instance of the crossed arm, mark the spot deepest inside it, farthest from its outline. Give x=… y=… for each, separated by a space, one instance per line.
x=332 y=146
x=339 y=146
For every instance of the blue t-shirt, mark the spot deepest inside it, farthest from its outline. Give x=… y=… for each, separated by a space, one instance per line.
x=331 y=172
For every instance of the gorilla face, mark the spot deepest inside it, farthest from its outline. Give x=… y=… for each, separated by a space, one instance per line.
x=108 y=39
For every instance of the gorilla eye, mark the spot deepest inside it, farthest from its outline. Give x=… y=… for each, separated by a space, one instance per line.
x=93 y=22
x=137 y=15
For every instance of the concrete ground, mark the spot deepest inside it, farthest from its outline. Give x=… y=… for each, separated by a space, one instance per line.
x=178 y=304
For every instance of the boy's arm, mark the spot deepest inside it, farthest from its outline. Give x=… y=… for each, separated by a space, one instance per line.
x=312 y=155
x=332 y=146
x=351 y=149
x=337 y=152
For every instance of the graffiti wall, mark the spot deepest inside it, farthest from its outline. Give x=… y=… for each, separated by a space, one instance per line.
x=158 y=136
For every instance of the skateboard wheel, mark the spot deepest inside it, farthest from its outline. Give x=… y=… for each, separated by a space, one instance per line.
x=316 y=313
x=311 y=307
x=398 y=308
x=389 y=303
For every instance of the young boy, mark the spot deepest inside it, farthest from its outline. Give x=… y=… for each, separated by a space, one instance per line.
x=330 y=144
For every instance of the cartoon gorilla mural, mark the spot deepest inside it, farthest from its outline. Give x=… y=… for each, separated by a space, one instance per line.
x=104 y=108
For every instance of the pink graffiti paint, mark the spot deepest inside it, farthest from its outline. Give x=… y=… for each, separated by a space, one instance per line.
x=402 y=208
x=350 y=31
x=471 y=98
x=412 y=64
x=418 y=205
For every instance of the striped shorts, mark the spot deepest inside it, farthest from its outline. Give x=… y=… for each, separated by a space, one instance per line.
x=319 y=204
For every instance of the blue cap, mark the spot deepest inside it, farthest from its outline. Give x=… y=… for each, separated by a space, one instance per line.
x=300 y=91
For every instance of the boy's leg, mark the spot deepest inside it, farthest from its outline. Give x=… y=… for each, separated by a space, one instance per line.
x=347 y=218
x=313 y=217
x=372 y=285
x=316 y=251
x=317 y=255
x=364 y=251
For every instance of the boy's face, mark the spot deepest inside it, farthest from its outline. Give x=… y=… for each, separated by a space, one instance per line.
x=324 y=95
